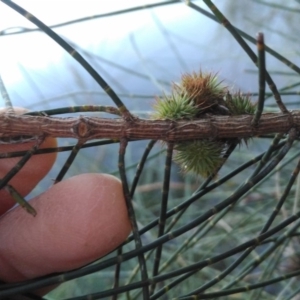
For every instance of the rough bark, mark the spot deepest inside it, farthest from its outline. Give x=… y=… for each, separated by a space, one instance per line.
x=88 y=128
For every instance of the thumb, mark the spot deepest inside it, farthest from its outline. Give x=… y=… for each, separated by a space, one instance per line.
x=78 y=220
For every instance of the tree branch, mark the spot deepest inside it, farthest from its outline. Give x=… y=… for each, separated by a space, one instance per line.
x=88 y=128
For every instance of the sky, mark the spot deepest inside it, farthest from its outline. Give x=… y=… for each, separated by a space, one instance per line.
x=32 y=56
x=150 y=41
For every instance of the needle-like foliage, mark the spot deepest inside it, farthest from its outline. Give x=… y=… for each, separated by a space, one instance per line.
x=192 y=238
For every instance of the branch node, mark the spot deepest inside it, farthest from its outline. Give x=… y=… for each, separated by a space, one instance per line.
x=81 y=128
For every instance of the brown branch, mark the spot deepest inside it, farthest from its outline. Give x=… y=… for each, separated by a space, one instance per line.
x=88 y=128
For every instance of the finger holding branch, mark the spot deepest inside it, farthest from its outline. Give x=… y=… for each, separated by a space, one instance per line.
x=78 y=220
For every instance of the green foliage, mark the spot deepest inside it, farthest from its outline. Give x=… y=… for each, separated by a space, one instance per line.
x=239 y=104
x=195 y=95
x=201 y=157
x=174 y=107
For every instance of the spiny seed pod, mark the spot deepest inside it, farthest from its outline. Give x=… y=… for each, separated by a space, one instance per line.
x=239 y=104
x=204 y=89
x=195 y=95
x=174 y=107
x=202 y=157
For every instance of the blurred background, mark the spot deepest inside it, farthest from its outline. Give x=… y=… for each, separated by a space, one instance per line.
x=140 y=52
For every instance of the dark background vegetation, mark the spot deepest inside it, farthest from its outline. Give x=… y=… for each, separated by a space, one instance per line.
x=140 y=53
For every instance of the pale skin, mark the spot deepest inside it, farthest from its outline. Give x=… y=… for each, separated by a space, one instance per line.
x=78 y=220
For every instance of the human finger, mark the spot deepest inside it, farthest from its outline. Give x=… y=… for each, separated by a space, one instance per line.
x=33 y=171
x=78 y=220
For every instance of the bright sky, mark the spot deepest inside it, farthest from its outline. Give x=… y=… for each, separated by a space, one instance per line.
x=17 y=50
x=38 y=55
x=35 y=53
x=52 y=12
